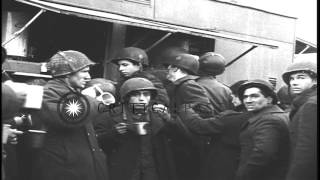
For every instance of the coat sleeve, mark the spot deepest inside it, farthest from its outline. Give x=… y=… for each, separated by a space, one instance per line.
x=196 y=96
x=202 y=126
x=304 y=158
x=266 y=141
x=50 y=115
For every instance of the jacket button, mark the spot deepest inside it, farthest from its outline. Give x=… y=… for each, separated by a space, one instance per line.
x=88 y=134
x=93 y=149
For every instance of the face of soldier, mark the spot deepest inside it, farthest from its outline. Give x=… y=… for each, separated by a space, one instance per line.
x=139 y=101
x=254 y=100
x=299 y=82
x=127 y=68
x=80 y=78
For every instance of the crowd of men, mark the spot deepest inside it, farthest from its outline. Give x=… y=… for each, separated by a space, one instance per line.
x=188 y=126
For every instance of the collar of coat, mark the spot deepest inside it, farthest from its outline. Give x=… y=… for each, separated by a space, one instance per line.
x=267 y=110
x=186 y=78
x=304 y=96
x=61 y=86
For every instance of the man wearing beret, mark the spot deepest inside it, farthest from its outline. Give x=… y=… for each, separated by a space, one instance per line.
x=264 y=137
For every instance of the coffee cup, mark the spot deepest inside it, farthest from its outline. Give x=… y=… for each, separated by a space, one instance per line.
x=36 y=138
x=141 y=127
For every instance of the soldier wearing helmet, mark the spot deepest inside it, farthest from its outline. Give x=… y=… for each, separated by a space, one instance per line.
x=264 y=137
x=301 y=78
x=132 y=154
x=131 y=62
x=211 y=65
x=67 y=116
x=186 y=91
x=72 y=66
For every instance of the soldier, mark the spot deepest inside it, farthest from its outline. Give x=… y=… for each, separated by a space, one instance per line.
x=70 y=150
x=188 y=147
x=133 y=153
x=211 y=65
x=301 y=78
x=264 y=137
x=131 y=62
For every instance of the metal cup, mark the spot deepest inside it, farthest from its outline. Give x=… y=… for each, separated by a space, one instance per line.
x=36 y=138
x=140 y=127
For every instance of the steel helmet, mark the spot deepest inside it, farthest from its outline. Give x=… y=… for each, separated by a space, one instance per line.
x=104 y=84
x=211 y=64
x=67 y=62
x=307 y=66
x=263 y=85
x=132 y=54
x=136 y=84
x=187 y=62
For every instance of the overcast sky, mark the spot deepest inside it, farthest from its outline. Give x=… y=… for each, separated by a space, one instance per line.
x=304 y=10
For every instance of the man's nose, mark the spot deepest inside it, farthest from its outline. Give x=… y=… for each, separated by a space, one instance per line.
x=142 y=97
x=248 y=100
x=120 y=68
x=293 y=82
x=88 y=76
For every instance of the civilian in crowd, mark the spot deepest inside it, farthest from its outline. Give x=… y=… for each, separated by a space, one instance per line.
x=264 y=137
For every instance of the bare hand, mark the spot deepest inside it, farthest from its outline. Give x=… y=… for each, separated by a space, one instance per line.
x=160 y=108
x=12 y=135
x=121 y=128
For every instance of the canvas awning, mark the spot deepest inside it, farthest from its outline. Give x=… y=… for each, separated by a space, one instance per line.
x=139 y=22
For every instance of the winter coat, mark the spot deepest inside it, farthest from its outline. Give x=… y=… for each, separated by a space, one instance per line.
x=161 y=98
x=303 y=135
x=124 y=150
x=189 y=148
x=264 y=140
x=219 y=94
x=70 y=150
x=223 y=153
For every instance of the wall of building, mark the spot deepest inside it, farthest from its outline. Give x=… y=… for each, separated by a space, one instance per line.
x=260 y=63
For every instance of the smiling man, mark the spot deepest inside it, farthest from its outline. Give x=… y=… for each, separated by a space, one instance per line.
x=264 y=138
x=301 y=77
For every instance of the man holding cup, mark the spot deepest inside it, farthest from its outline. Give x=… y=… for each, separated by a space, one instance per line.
x=136 y=144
